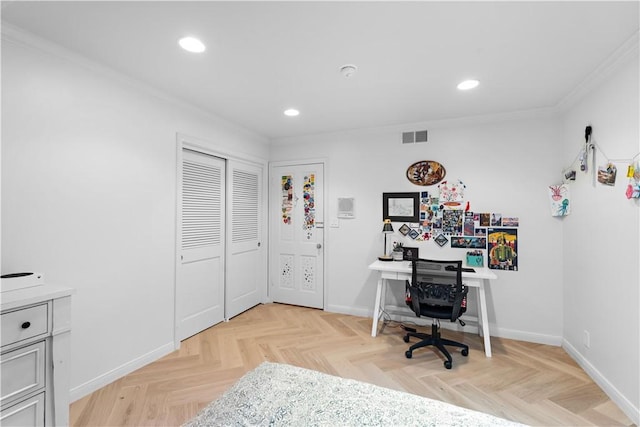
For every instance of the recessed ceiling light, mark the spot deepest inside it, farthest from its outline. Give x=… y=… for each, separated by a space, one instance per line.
x=192 y=44
x=468 y=84
x=291 y=112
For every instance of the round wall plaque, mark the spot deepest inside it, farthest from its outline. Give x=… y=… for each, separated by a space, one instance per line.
x=426 y=172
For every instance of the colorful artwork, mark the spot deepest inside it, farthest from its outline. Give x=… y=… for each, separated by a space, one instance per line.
x=559 y=198
x=469 y=224
x=287 y=198
x=481 y=232
x=509 y=221
x=309 y=204
x=485 y=220
x=503 y=247
x=469 y=242
x=452 y=222
x=451 y=193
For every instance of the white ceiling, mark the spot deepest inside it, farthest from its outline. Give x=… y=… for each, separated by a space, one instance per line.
x=263 y=57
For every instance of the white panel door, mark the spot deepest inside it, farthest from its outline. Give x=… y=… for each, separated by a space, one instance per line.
x=246 y=264
x=200 y=275
x=297 y=242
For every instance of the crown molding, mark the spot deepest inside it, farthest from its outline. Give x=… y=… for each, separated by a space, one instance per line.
x=20 y=37
x=623 y=55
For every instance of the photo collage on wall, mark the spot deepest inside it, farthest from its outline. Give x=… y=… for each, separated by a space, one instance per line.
x=446 y=218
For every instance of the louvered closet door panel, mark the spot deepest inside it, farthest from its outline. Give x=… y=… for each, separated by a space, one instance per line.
x=201 y=205
x=200 y=287
x=246 y=266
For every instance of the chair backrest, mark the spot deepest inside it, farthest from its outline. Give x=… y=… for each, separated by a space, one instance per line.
x=437 y=283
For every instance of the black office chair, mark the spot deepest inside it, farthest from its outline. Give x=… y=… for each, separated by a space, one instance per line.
x=436 y=290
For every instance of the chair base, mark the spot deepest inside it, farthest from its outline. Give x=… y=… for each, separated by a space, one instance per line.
x=435 y=340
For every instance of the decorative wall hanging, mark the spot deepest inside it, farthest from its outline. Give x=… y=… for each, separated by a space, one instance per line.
x=607 y=174
x=287 y=198
x=451 y=193
x=426 y=172
x=401 y=207
x=485 y=219
x=469 y=224
x=441 y=240
x=452 y=222
x=404 y=229
x=559 y=199
x=308 y=191
x=633 y=187
x=510 y=221
x=503 y=246
x=469 y=242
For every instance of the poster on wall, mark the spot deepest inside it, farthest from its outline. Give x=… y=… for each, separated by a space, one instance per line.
x=452 y=222
x=503 y=248
x=287 y=198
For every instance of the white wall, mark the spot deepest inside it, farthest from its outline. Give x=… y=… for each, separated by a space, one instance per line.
x=89 y=199
x=506 y=167
x=601 y=243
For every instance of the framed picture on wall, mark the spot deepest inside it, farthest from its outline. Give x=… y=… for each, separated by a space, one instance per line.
x=401 y=207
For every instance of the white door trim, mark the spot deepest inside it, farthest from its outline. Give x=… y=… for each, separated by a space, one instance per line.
x=188 y=142
x=325 y=163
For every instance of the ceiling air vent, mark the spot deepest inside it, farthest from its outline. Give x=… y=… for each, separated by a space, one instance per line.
x=414 y=137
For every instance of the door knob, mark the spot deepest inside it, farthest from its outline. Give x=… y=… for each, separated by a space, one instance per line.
x=319 y=246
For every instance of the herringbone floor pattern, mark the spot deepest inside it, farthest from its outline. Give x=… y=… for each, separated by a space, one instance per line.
x=530 y=383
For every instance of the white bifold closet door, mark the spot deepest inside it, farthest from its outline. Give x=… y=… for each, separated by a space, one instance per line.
x=246 y=264
x=201 y=274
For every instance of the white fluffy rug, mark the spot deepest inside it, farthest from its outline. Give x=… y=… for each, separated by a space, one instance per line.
x=282 y=395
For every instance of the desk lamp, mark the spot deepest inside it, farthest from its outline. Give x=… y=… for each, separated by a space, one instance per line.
x=387 y=228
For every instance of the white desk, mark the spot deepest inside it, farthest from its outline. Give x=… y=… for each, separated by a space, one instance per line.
x=401 y=270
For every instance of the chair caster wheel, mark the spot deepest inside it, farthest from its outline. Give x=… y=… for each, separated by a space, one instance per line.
x=406 y=338
x=465 y=352
x=447 y=364
x=408 y=354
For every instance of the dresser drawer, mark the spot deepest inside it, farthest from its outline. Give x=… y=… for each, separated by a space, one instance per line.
x=28 y=413
x=22 y=371
x=23 y=324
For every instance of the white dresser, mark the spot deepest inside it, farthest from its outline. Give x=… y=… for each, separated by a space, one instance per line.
x=34 y=357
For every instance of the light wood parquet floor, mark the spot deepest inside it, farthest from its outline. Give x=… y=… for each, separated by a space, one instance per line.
x=529 y=383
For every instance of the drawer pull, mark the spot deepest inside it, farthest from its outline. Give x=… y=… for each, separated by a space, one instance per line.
x=25 y=325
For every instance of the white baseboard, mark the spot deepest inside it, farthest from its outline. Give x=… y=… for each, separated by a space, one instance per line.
x=513 y=334
x=631 y=411
x=107 y=378
x=353 y=311
x=403 y=314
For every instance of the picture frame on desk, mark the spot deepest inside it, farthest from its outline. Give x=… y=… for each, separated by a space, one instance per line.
x=409 y=254
x=401 y=207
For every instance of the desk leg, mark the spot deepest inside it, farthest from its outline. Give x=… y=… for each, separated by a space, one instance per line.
x=376 y=308
x=483 y=328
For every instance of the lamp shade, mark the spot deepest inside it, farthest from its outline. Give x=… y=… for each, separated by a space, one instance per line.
x=387 y=228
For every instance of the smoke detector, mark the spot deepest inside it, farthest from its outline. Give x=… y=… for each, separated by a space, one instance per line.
x=348 y=70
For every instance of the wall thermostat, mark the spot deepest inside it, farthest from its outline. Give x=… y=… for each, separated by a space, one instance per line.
x=345 y=207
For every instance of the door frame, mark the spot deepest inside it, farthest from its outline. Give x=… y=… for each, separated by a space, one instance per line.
x=272 y=199
x=188 y=142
